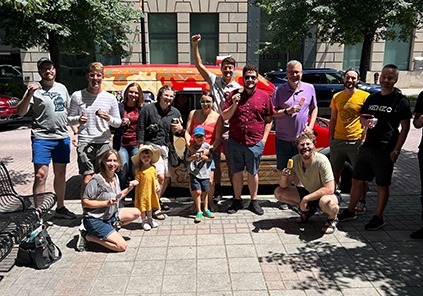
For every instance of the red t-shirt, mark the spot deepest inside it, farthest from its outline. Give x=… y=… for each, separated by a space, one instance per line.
x=246 y=126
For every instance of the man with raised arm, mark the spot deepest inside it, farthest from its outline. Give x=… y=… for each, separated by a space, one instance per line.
x=50 y=139
x=220 y=87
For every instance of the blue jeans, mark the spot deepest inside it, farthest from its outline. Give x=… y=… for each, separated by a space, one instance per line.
x=284 y=151
x=127 y=170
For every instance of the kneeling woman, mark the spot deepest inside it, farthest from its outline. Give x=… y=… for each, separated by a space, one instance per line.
x=100 y=203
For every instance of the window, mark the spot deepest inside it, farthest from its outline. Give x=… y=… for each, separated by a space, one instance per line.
x=352 y=55
x=313 y=78
x=163 y=38
x=206 y=24
x=397 y=52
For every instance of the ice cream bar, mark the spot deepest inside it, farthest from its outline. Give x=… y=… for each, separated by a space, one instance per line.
x=290 y=164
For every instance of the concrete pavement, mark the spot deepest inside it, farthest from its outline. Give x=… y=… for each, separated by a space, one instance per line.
x=240 y=254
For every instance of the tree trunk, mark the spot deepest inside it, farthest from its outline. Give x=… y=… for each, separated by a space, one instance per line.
x=365 y=55
x=53 y=44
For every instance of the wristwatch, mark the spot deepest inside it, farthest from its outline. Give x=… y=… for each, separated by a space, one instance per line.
x=285 y=112
x=397 y=152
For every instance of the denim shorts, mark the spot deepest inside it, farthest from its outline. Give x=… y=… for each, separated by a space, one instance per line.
x=100 y=228
x=243 y=156
x=315 y=203
x=199 y=184
x=43 y=151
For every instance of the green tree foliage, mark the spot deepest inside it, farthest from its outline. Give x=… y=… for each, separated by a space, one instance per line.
x=68 y=26
x=341 y=21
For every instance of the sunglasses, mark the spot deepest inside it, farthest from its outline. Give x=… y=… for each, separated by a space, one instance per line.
x=206 y=102
x=252 y=77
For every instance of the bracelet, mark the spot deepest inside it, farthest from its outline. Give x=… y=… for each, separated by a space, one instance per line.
x=75 y=133
x=397 y=152
x=285 y=112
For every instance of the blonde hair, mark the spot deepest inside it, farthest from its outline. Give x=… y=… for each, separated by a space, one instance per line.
x=95 y=67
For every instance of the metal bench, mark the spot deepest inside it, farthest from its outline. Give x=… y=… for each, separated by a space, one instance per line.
x=19 y=215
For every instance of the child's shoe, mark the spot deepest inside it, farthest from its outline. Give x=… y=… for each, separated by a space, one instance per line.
x=145 y=225
x=153 y=223
x=198 y=217
x=208 y=214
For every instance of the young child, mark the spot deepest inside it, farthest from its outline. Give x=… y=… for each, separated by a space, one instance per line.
x=146 y=193
x=200 y=166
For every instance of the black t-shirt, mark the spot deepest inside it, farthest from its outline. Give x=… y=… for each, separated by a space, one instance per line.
x=419 y=109
x=389 y=110
x=154 y=124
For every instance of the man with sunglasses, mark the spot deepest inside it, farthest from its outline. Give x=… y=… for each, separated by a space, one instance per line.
x=294 y=101
x=92 y=111
x=249 y=112
x=50 y=140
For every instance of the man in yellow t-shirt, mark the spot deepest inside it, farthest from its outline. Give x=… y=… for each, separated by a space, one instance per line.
x=345 y=130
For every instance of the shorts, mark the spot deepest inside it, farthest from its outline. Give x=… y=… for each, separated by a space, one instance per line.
x=89 y=157
x=374 y=163
x=315 y=203
x=284 y=151
x=241 y=156
x=100 y=228
x=43 y=151
x=199 y=184
x=341 y=151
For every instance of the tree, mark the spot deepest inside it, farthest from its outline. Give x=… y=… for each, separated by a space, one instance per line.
x=68 y=26
x=341 y=21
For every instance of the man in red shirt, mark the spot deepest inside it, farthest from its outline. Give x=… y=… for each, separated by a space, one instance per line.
x=249 y=111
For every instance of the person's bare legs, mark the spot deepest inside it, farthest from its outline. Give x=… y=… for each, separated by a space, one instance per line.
x=211 y=191
x=382 y=200
x=114 y=241
x=196 y=196
x=40 y=179
x=59 y=170
x=253 y=181
x=329 y=205
x=356 y=193
x=288 y=195
x=237 y=184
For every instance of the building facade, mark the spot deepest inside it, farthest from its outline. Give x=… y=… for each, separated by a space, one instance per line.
x=238 y=28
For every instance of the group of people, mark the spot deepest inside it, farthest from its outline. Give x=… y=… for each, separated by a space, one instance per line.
x=233 y=119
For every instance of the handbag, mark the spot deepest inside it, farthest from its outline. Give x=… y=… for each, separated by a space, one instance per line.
x=172 y=157
x=38 y=250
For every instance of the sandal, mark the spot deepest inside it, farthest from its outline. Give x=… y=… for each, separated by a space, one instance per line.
x=159 y=215
x=305 y=216
x=330 y=226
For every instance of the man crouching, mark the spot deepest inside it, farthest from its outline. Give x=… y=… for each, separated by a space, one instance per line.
x=308 y=182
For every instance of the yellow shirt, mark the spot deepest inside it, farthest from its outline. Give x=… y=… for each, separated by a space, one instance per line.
x=348 y=126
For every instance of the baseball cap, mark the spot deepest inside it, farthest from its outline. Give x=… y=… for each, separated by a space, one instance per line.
x=43 y=60
x=199 y=130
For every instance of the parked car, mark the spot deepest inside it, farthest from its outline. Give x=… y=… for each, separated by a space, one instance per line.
x=10 y=73
x=326 y=81
x=8 y=110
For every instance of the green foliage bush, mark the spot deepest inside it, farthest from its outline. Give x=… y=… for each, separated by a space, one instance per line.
x=13 y=89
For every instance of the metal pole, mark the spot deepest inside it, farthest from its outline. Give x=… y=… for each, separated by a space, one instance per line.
x=143 y=48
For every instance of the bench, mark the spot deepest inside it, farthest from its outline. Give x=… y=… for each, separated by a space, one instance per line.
x=19 y=215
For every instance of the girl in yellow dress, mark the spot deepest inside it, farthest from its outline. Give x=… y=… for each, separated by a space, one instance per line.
x=146 y=192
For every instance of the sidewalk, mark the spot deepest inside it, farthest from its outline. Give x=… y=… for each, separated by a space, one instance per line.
x=240 y=254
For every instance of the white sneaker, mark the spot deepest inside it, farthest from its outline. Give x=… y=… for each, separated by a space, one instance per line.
x=145 y=225
x=153 y=223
